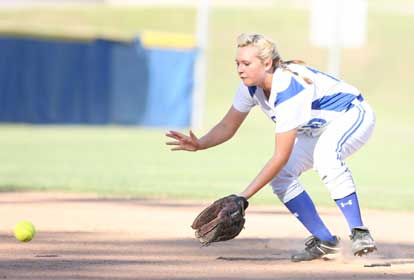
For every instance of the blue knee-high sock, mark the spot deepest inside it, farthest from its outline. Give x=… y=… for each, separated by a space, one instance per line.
x=303 y=208
x=350 y=208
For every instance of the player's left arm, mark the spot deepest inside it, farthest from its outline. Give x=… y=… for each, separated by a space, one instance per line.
x=283 y=148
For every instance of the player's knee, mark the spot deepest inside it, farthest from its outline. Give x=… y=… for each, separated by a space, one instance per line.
x=339 y=181
x=287 y=192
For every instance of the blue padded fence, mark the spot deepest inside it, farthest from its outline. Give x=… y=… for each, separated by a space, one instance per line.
x=46 y=81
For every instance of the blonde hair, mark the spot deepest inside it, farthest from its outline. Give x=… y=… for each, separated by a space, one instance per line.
x=267 y=49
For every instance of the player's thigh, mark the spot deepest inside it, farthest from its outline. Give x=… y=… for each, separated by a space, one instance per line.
x=344 y=136
x=300 y=160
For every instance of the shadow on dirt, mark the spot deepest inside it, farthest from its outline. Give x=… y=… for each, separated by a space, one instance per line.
x=91 y=255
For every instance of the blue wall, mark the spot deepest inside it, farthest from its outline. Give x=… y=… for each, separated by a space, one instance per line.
x=94 y=82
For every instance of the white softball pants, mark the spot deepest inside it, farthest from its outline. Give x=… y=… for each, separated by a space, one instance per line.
x=326 y=154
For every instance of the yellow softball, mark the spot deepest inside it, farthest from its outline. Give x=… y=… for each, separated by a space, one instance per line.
x=24 y=231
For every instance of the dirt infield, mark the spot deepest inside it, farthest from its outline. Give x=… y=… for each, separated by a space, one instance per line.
x=87 y=237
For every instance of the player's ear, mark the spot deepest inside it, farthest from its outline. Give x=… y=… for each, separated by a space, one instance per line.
x=268 y=64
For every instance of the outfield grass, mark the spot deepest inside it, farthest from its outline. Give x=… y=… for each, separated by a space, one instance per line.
x=134 y=161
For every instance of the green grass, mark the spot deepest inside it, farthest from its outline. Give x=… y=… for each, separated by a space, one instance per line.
x=134 y=161
x=85 y=22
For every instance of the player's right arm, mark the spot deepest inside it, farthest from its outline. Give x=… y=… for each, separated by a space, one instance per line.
x=220 y=133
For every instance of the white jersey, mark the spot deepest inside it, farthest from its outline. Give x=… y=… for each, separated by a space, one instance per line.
x=293 y=103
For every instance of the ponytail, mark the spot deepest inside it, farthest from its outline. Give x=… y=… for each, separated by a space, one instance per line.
x=283 y=64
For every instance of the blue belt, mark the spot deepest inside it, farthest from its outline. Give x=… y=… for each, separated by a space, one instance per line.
x=356 y=101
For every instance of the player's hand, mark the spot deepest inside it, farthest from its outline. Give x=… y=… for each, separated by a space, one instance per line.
x=183 y=142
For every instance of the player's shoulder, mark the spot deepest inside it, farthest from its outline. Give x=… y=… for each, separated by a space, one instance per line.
x=298 y=67
x=285 y=80
x=281 y=80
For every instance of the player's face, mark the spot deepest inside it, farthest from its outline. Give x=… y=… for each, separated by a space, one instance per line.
x=250 y=68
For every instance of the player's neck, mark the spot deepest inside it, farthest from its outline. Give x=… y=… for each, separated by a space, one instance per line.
x=267 y=85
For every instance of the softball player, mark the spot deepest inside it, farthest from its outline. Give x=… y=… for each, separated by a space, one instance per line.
x=320 y=121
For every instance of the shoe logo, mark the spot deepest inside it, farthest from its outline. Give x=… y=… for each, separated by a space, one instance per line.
x=346 y=203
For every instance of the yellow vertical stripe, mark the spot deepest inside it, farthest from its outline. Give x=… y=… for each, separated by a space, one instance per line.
x=152 y=39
